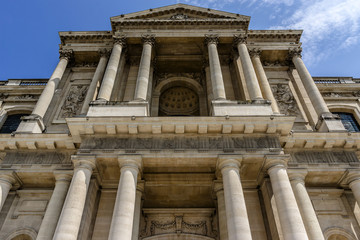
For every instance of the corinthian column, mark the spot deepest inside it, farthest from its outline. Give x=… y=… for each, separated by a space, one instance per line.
x=111 y=69
x=216 y=77
x=137 y=213
x=236 y=213
x=249 y=72
x=7 y=180
x=142 y=82
x=219 y=190
x=70 y=218
x=291 y=222
x=123 y=214
x=48 y=92
x=312 y=226
x=53 y=210
x=100 y=69
x=264 y=83
x=309 y=84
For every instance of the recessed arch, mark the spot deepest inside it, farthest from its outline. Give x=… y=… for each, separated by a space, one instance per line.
x=15 y=112
x=23 y=234
x=337 y=233
x=175 y=236
x=350 y=110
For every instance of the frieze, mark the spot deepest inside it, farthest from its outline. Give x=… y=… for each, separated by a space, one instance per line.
x=341 y=94
x=324 y=157
x=224 y=143
x=37 y=158
x=164 y=76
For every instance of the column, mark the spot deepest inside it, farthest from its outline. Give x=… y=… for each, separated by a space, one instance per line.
x=264 y=83
x=291 y=222
x=142 y=82
x=249 y=72
x=306 y=208
x=70 y=218
x=219 y=190
x=137 y=213
x=309 y=84
x=354 y=184
x=54 y=207
x=111 y=69
x=216 y=77
x=7 y=180
x=237 y=219
x=123 y=214
x=49 y=91
x=99 y=72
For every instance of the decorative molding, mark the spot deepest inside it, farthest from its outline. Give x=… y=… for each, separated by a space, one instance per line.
x=227 y=144
x=37 y=158
x=255 y=52
x=314 y=157
x=295 y=52
x=103 y=52
x=341 y=94
x=211 y=39
x=240 y=39
x=121 y=40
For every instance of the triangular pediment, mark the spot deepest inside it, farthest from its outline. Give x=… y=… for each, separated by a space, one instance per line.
x=179 y=12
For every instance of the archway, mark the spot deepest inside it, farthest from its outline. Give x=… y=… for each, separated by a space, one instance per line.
x=175 y=236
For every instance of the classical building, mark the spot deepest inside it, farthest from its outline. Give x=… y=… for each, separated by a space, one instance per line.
x=180 y=123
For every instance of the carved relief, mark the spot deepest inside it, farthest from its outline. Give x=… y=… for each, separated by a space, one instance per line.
x=86 y=64
x=179 y=16
x=4 y=96
x=274 y=64
x=160 y=223
x=341 y=94
x=73 y=101
x=212 y=143
x=25 y=97
x=285 y=99
x=37 y=158
x=324 y=157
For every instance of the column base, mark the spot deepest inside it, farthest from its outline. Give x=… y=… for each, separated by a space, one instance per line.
x=31 y=124
x=329 y=122
x=239 y=108
x=118 y=109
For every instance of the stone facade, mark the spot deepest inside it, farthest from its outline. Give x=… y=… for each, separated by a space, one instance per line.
x=180 y=123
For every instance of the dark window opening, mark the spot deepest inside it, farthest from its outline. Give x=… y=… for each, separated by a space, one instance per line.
x=349 y=121
x=11 y=124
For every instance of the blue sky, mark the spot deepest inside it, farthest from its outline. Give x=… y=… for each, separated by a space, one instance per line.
x=29 y=29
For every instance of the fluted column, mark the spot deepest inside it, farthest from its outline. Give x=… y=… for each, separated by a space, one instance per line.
x=219 y=190
x=236 y=214
x=54 y=207
x=7 y=180
x=111 y=69
x=311 y=222
x=309 y=84
x=70 y=218
x=48 y=93
x=291 y=222
x=123 y=214
x=264 y=83
x=249 y=72
x=137 y=212
x=99 y=72
x=216 y=77
x=142 y=82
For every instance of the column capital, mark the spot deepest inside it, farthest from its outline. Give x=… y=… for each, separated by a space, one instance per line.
x=211 y=39
x=240 y=39
x=295 y=52
x=84 y=161
x=255 y=52
x=66 y=54
x=272 y=161
x=120 y=39
x=297 y=175
x=9 y=177
x=63 y=176
x=228 y=161
x=148 y=39
x=131 y=161
x=103 y=52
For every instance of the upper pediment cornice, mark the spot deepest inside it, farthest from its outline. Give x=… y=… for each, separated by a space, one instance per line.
x=90 y=35
x=254 y=35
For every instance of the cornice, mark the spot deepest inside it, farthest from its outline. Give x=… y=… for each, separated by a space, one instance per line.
x=279 y=35
x=71 y=36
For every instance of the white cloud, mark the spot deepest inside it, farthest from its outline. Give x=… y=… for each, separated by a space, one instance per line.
x=327 y=24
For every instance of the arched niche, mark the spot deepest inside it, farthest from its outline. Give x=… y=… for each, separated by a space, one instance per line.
x=22 y=234
x=175 y=236
x=181 y=84
x=337 y=233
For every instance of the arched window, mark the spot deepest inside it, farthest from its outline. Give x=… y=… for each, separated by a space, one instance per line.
x=349 y=121
x=11 y=123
